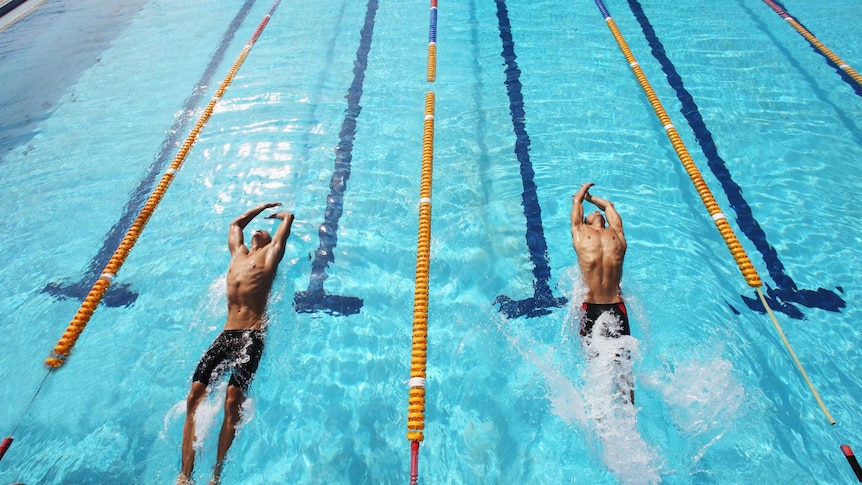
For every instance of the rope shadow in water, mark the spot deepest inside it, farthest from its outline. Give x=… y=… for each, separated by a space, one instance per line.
x=122 y=294
x=841 y=72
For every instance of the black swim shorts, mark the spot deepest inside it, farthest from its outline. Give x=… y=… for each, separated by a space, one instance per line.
x=592 y=312
x=239 y=350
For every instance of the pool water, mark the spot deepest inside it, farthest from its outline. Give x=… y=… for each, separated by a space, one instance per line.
x=532 y=100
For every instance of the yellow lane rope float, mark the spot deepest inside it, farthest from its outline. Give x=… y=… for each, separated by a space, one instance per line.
x=419 y=350
x=64 y=346
x=742 y=261
x=815 y=42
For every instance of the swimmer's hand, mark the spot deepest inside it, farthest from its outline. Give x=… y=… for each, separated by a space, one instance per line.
x=280 y=215
x=583 y=191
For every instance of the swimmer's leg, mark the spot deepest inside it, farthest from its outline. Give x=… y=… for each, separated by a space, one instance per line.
x=626 y=381
x=196 y=395
x=232 y=415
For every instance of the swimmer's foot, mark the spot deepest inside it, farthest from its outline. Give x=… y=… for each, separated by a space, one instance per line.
x=184 y=480
x=216 y=479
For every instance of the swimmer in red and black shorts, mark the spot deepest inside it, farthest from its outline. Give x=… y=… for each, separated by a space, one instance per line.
x=601 y=248
x=600 y=245
x=592 y=312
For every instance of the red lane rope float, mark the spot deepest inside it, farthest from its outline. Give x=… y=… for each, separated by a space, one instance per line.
x=64 y=346
x=4 y=446
x=742 y=261
x=851 y=459
x=7 y=442
x=815 y=42
x=419 y=350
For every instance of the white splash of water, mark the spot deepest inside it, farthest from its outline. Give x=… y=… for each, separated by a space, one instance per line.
x=208 y=412
x=174 y=414
x=205 y=417
x=606 y=414
x=607 y=393
x=703 y=396
x=597 y=407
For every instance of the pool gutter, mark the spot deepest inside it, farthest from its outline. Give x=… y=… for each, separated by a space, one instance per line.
x=12 y=11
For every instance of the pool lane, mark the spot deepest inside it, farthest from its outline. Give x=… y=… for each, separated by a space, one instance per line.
x=786 y=294
x=848 y=74
x=543 y=298
x=314 y=298
x=121 y=294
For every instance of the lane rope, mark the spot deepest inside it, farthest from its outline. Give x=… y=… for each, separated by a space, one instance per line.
x=739 y=255
x=64 y=345
x=419 y=349
x=63 y=348
x=815 y=42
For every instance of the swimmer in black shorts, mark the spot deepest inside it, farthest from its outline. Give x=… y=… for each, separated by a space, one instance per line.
x=592 y=312
x=614 y=327
x=239 y=347
x=237 y=350
x=601 y=250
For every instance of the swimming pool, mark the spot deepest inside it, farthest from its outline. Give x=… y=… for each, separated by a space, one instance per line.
x=533 y=99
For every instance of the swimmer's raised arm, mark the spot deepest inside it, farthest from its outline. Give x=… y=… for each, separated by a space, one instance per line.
x=235 y=238
x=281 y=234
x=578 y=206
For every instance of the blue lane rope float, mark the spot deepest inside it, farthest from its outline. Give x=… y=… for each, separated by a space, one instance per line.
x=432 y=44
x=63 y=348
x=720 y=220
x=419 y=350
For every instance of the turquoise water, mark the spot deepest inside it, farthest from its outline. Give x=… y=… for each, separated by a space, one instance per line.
x=98 y=97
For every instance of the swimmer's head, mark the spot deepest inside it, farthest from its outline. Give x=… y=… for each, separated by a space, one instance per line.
x=596 y=219
x=260 y=238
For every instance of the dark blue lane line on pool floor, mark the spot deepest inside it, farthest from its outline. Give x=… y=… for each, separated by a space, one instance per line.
x=120 y=294
x=844 y=76
x=311 y=120
x=786 y=294
x=542 y=298
x=315 y=299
